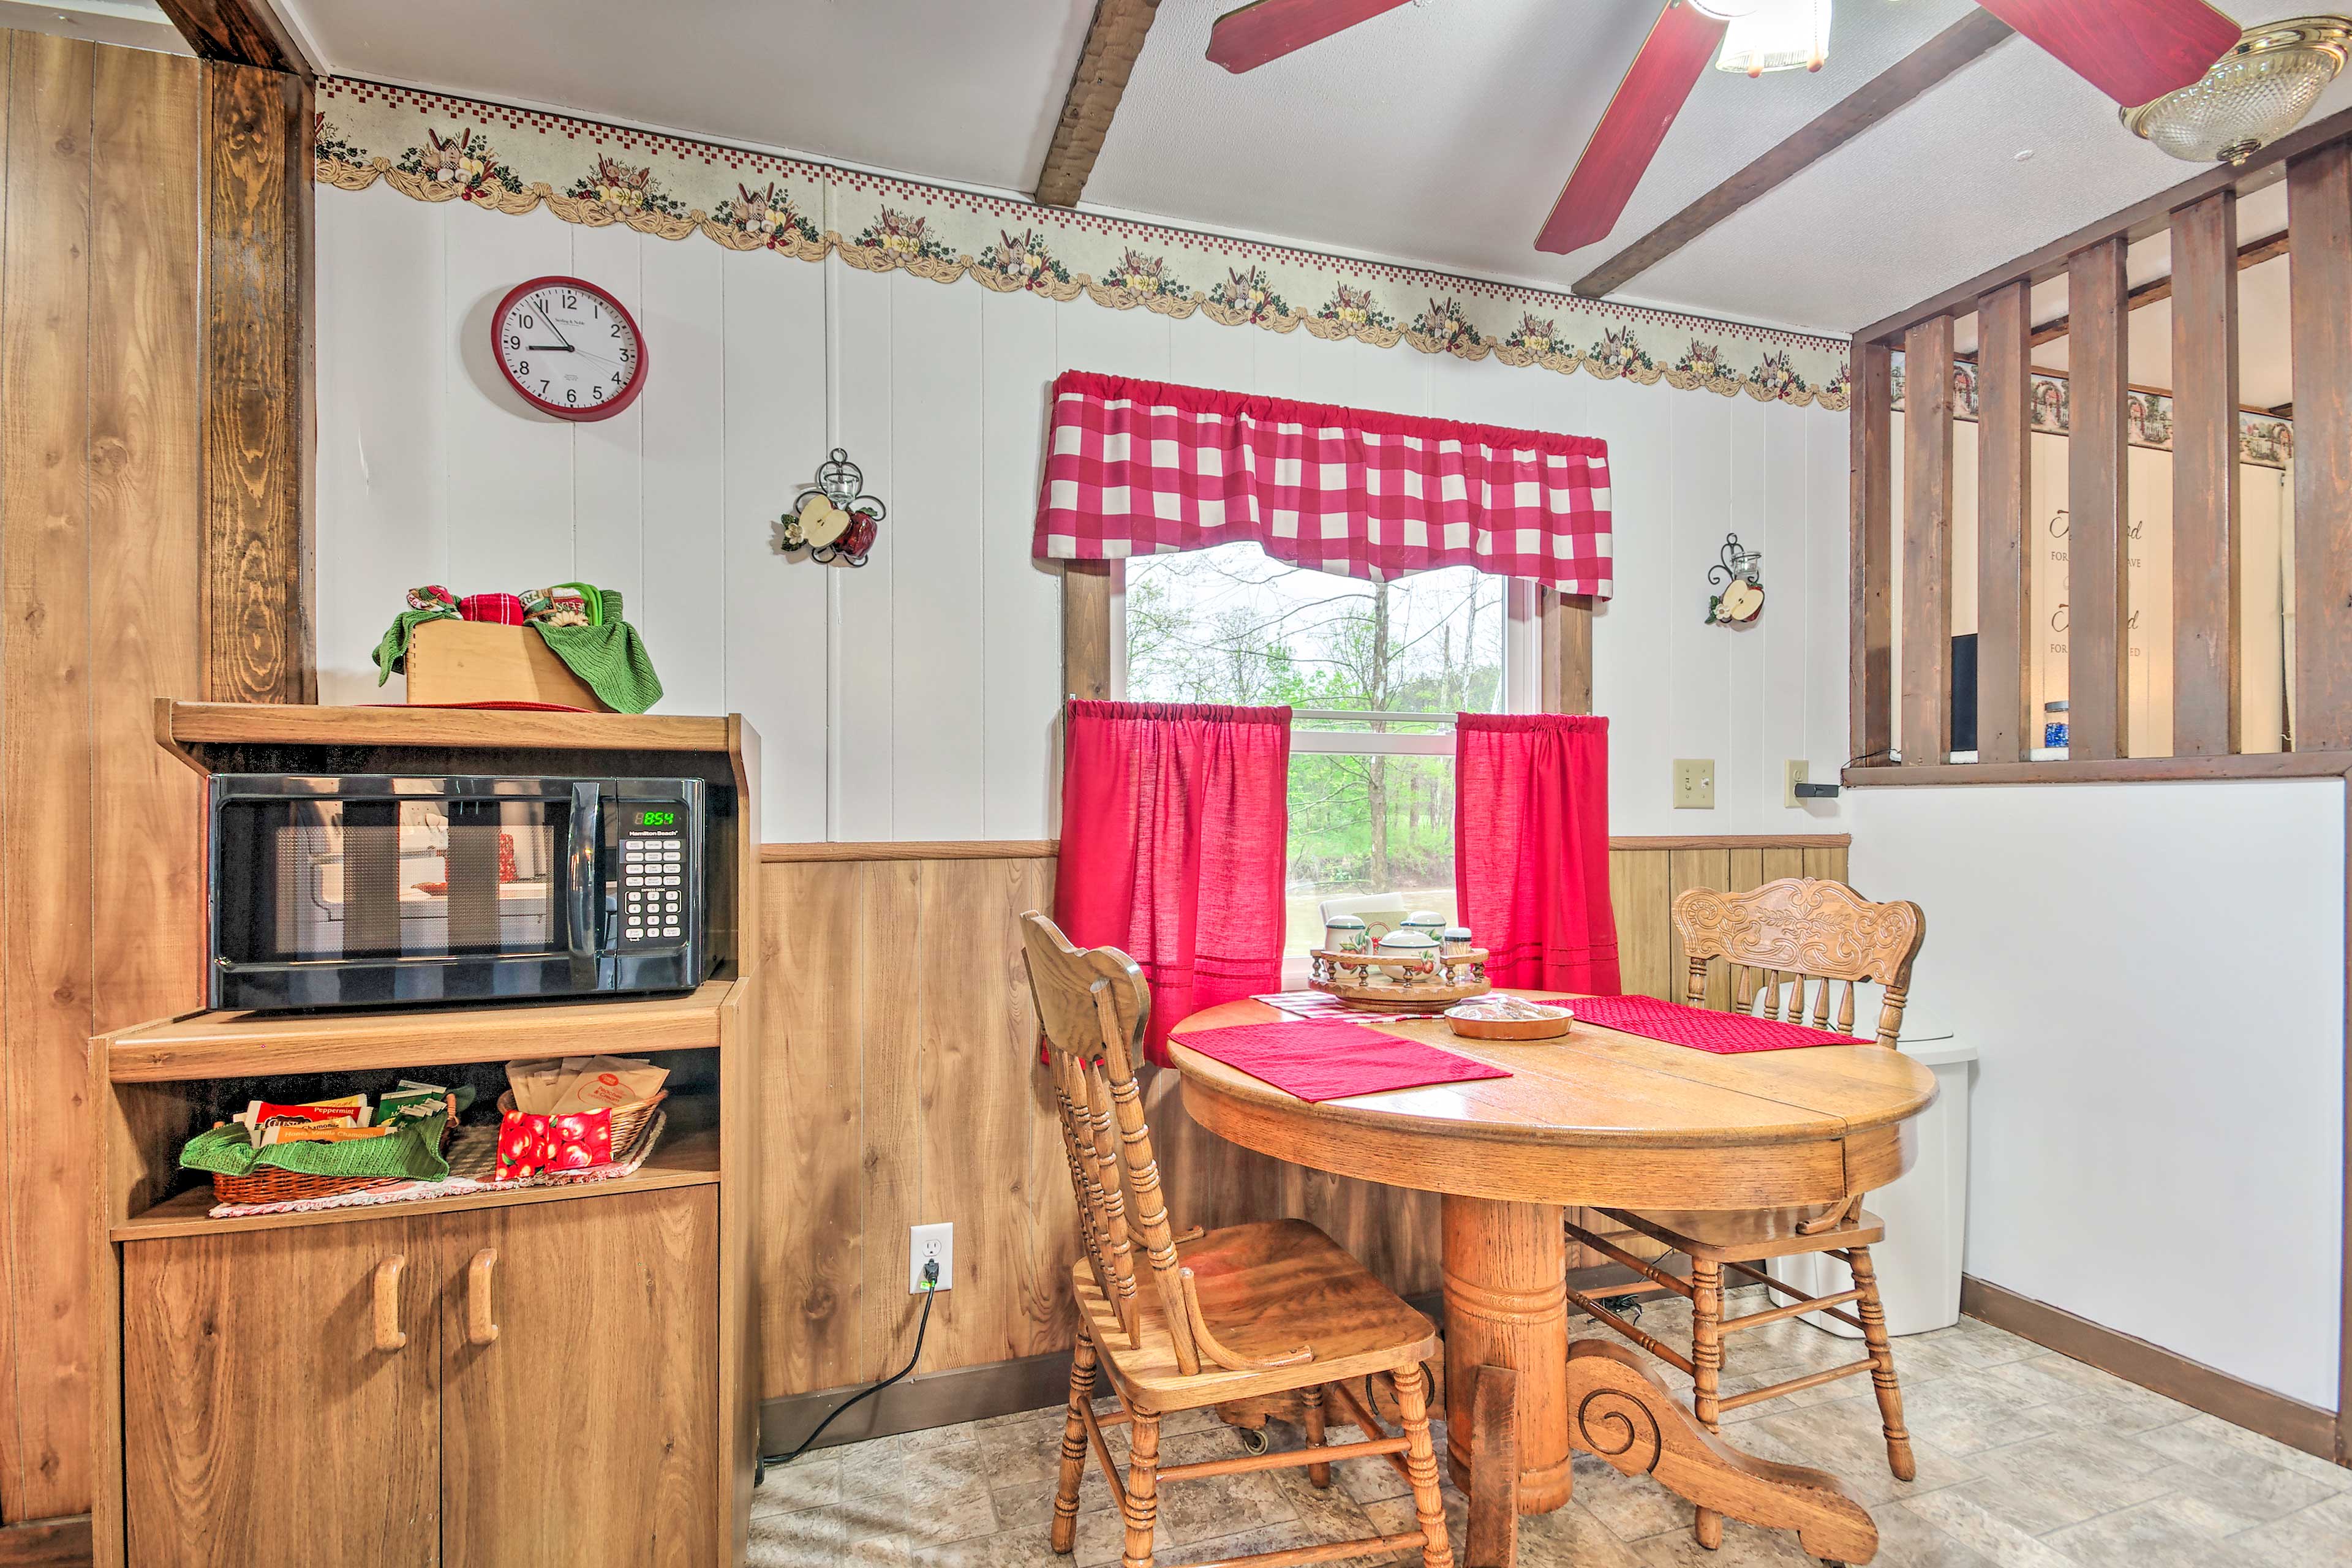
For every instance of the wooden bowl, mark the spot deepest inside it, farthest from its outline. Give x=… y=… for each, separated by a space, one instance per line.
x=1511 y=1029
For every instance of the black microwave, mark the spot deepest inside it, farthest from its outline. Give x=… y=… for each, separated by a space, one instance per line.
x=374 y=889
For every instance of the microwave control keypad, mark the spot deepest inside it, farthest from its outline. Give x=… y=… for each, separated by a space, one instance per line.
x=653 y=882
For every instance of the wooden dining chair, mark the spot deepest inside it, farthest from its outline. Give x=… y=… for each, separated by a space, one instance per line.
x=1180 y=1322
x=1784 y=941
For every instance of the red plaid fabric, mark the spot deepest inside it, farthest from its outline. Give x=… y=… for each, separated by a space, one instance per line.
x=1140 y=467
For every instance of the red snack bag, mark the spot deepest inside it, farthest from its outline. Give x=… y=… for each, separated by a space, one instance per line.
x=523 y=1146
x=580 y=1139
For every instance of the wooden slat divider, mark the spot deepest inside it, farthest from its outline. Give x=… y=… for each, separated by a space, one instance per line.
x=2004 y=485
x=2098 y=538
x=1926 y=730
x=2206 y=545
x=2319 y=226
x=1871 y=485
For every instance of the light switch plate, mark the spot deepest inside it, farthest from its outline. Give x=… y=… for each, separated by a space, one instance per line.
x=925 y=1242
x=1789 y=787
x=1695 y=783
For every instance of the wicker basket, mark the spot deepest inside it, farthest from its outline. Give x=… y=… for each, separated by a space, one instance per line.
x=270 y=1184
x=628 y=1121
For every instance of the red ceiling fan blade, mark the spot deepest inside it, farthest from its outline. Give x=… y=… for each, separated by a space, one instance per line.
x=1661 y=77
x=1246 y=39
x=2132 y=50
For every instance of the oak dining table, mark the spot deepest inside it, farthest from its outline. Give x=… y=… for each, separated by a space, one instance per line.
x=1597 y=1118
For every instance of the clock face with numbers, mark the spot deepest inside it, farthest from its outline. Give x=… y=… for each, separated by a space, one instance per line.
x=569 y=347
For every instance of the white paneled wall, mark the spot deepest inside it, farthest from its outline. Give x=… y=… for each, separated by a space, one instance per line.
x=916 y=699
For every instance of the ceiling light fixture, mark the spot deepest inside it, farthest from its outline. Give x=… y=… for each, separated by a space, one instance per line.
x=2252 y=96
x=1773 y=35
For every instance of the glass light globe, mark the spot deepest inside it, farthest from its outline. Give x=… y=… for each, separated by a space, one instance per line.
x=2254 y=95
x=1777 y=36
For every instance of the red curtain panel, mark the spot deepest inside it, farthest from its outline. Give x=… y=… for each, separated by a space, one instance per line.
x=1174 y=822
x=1531 y=848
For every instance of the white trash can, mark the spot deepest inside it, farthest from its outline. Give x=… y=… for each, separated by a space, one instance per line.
x=1925 y=1213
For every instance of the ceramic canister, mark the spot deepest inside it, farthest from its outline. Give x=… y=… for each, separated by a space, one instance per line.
x=1415 y=950
x=1428 y=922
x=1345 y=933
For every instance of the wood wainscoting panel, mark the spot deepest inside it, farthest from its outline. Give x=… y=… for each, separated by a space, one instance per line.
x=901 y=1088
x=100 y=354
x=45 y=961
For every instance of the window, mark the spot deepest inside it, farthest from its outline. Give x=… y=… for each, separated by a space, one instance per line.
x=1374 y=673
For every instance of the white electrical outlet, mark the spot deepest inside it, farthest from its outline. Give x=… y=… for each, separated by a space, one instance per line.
x=926 y=1243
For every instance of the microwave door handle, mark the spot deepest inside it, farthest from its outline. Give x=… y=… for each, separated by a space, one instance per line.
x=587 y=889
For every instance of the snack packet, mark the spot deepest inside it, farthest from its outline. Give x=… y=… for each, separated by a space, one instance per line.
x=261 y=1115
x=606 y=1082
x=536 y=1084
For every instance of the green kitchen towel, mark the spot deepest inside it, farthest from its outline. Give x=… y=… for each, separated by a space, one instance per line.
x=391 y=653
x=414 y=1153
x=611 y=658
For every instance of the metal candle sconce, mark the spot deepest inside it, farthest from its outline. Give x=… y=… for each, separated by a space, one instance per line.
x=1738 y=572
x=834 y=518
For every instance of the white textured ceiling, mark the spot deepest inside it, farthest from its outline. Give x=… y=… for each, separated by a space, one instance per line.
x=945 y=88
x=1439 y=133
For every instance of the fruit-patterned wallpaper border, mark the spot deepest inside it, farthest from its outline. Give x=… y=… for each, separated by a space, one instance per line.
x=434 y=148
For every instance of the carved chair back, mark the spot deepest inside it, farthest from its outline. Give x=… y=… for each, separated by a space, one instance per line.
x=1800 y=930
x=1093 y=1006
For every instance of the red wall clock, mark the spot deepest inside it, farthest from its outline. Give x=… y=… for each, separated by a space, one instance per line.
x=569 y=347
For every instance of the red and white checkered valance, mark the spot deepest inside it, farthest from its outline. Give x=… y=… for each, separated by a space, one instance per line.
x=1138 y=468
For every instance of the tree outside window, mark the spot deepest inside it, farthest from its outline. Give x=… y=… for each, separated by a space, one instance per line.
x=1371 y=797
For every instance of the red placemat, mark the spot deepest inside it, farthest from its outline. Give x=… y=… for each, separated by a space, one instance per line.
x=1320 y=1061
x=1701 y=1029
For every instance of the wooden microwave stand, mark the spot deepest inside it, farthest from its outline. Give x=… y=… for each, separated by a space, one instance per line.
x=510 y=1379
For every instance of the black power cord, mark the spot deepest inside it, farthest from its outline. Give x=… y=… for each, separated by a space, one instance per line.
x=930 y=1293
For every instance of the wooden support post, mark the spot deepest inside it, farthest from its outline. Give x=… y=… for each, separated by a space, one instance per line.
x=2319 y=227
x=259 y=429
x=1567 y=651
x=1871 y=501
x=1494 y=1522
x=1925 y=736
x=2206 y=545
x=2004 y=561
x=1085 y=629
x=2098 y=538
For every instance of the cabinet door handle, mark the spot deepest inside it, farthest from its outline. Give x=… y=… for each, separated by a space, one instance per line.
x=389 y=1336
x=480 y=1329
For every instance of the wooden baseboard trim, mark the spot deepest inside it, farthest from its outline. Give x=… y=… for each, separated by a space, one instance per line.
x=46 y=1543
x=2121 y=770
x=1041 y=848
x=1736 y=841
x=2274 y=1416
x=913 y=849
x=919 y=1404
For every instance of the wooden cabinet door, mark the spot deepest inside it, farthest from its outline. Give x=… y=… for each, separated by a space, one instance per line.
x=262 y=1423
x=580 y=1400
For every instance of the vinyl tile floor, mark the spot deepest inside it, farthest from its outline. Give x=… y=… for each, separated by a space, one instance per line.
x=2026 y=1460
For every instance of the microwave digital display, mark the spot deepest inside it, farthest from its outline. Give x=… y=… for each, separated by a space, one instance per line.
x=656 y=818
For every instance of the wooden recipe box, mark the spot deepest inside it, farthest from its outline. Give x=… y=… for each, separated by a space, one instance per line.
x=481 y=661
x=512 y=1378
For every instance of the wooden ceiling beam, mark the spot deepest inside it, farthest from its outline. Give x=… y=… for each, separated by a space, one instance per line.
x=240 y=32
x=1957 y=45
x=2253 y=253
x=1113 y=41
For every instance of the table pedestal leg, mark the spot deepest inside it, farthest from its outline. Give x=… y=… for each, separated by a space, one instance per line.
x=1505 y=1305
